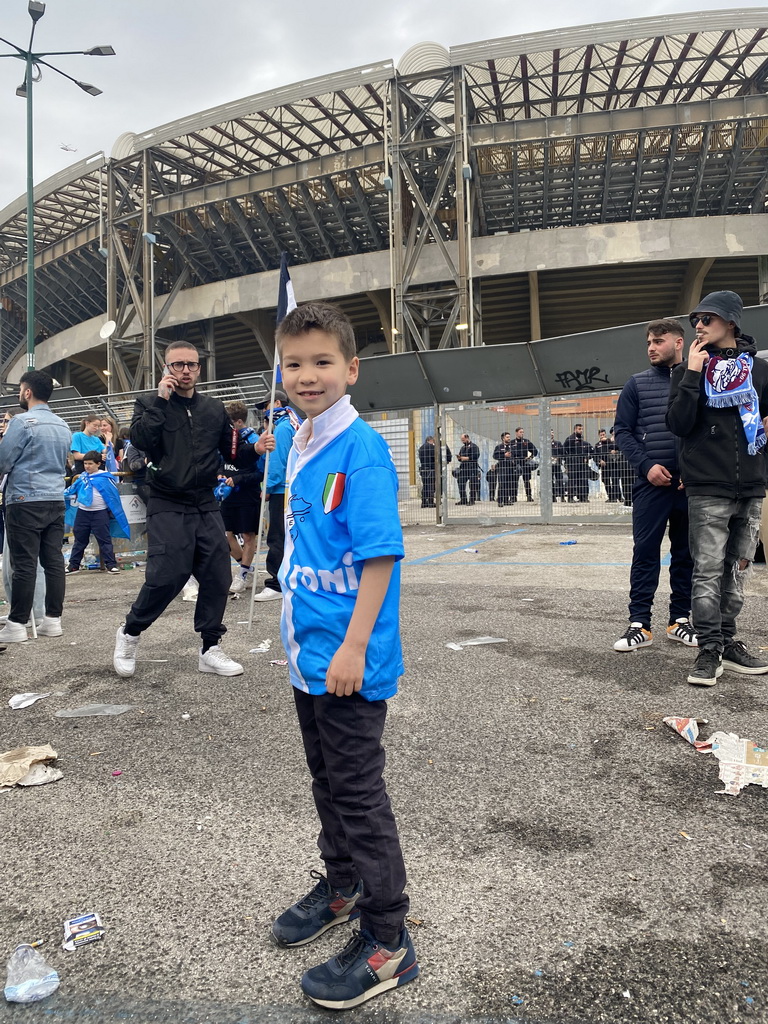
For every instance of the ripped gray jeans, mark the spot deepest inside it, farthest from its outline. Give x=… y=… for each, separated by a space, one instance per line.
x=722 y=536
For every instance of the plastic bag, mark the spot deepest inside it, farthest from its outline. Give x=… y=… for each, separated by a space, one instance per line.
x=30 y=978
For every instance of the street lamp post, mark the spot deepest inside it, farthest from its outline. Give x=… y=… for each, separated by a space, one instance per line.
x=33 y=61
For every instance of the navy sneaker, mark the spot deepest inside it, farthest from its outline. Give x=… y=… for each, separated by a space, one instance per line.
x=315 y=913
x=362 y=970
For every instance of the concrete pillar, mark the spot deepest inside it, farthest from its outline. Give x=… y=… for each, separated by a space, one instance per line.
x=693 y=282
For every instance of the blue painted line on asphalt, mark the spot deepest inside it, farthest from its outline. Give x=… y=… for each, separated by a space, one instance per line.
x=579 y=564
x=469 y=544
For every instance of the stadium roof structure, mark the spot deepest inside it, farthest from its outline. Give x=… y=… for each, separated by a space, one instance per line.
x=399 y=177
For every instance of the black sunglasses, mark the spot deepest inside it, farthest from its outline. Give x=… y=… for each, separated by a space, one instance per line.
x=705 y=318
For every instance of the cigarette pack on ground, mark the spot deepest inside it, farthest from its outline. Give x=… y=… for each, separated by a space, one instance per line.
x=81 y=930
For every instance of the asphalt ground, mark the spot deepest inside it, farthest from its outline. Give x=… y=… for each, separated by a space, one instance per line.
x=541 y=801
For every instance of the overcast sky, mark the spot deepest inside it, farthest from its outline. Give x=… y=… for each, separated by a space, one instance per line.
x=175 y=57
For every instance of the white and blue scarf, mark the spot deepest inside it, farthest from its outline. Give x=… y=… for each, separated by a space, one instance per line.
x=728 y=383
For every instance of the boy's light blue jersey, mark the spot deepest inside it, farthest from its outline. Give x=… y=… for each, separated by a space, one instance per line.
x=341 y=510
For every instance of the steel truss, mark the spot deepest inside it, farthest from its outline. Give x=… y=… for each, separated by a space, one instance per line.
x=430 y=180
x=670 y=120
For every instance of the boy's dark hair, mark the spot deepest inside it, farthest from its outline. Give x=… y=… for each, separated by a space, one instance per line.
x=319 y=316
x=180 y=344
x=39 y=383
x=237 y=411
x=666 y=326
x=93 y=456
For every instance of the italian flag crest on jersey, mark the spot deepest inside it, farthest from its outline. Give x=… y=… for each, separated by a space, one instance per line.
x=333 y=491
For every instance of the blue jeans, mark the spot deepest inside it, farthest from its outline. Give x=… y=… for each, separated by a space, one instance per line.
x=723 y=534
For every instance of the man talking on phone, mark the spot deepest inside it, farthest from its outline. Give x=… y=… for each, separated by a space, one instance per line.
x=185 y=435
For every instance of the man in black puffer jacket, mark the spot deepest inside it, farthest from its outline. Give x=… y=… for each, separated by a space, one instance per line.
x=185 y=435
x=718 y=405
x=657 y=498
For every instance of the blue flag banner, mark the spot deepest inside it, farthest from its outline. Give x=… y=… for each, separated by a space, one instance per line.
x=286 y=301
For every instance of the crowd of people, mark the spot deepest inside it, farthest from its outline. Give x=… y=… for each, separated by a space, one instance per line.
x=575 y=464
x=693 y=432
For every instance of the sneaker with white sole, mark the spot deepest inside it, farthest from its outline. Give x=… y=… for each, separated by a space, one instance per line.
x=49 y=626
x=707 y=668
x=267 y=594
x=215 y=660
x=683 y=632
x=124 y=658
x=312 y=915
x=238 y=585
x=736 y=658
x=362 y=970
x=13 y=633
x=636 y=636
x=114 y=568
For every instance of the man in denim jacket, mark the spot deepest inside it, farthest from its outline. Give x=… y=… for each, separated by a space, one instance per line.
x=34 y=455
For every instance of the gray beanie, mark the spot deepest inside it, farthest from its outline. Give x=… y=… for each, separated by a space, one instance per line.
x=728 y=305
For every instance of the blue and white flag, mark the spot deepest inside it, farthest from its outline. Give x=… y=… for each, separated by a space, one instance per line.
x=286 y=301
x=110 y=462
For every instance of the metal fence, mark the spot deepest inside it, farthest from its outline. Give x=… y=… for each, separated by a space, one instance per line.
x=251 y=389
x=559 y=480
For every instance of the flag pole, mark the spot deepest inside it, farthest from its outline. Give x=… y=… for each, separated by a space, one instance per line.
x=257 y=553
x=286 y=301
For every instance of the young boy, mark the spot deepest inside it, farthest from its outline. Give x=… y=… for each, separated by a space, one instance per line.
x=718 y=403
x=243 y=471
x=98 y=502
x=341 y=582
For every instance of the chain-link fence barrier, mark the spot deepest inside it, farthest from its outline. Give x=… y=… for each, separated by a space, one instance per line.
x=541 y=460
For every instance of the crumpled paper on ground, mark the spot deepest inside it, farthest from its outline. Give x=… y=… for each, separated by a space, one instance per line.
x=742 y=762
x=25 y=700
x=16 y=765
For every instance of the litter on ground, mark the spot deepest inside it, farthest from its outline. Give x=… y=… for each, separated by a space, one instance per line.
x=459 y=645
x=25 y=766
x=89 y=710
x=25 y=700
x=742 y=761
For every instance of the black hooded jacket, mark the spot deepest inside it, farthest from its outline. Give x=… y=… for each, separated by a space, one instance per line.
x=714 y=459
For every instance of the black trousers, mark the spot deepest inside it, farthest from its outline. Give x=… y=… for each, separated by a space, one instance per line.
x=35 y=530
x=505 y=479
x=525 y=472
x=654 y=510
x=181 y=544
x=469 y=474
x=427 y=487
x=275 y=540
x=358 y=836
x=96 y=522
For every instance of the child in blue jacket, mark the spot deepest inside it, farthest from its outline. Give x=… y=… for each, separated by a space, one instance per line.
x=99 y=511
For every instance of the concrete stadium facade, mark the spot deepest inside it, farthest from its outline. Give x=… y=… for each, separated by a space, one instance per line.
x=505 y=191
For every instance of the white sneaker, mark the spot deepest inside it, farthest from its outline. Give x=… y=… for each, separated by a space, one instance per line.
x=635 y=636
x=267 y=594
x=215 y=660
x=238 y=585
x=49 y=626
x=13 y=633
x=190 y=591
x=124 y=658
